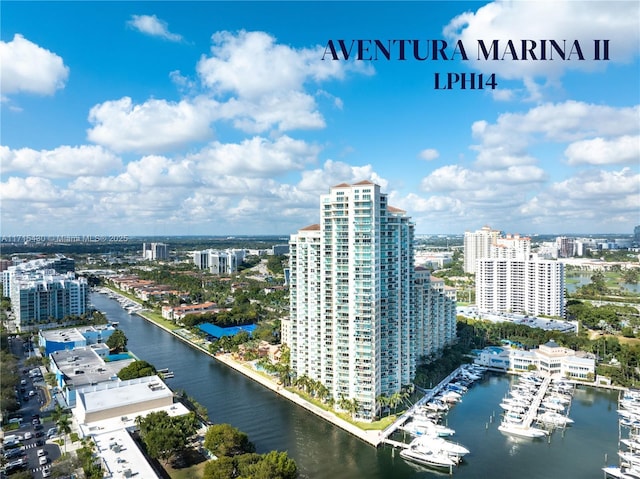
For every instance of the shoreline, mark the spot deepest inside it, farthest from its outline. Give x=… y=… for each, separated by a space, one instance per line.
x=371 y=437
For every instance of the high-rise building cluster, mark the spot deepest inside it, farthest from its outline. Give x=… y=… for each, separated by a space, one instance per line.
x=509 y=278
x=44 y=291
x=155 y=251
x=361 y=317
x=219 y=262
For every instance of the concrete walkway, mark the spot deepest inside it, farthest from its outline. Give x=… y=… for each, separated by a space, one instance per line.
x=374 y=438
x=371 y=437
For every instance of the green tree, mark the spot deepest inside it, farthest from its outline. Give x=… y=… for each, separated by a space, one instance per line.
x=273 y=465
x=64 y=427
x=223 y=468
x=165 y=436
x=117 y=342
x=226 y=440
x=631 y=275
x=137 y=369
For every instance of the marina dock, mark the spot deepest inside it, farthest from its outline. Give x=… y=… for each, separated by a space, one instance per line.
x=532 y=412
x=408 y=415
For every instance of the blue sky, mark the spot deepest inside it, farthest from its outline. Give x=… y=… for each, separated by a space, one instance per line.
x=162 y=118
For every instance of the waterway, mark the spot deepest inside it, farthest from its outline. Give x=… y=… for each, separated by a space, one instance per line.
x=323 y=451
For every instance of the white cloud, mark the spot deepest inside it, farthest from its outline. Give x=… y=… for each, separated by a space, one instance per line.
x=62 y=162
x=505 y=142
x=567 y=20
x=429 y=154
x=251 y=64
x=263 y=82
x=151 y=127
x=30 y=190
x=319 y=181
x=27 y=67
x=600 y=151
x=584 y=198
x=251 y=81
x=152 y=25
x=285 y=110
x=255 y=157
x=508 y=183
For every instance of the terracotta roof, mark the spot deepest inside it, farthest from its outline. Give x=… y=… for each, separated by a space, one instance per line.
x=364 y=182
x=342 y=185
x=393 y=209
x=315 y=227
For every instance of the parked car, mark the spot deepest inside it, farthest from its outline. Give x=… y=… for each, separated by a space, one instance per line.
x=52 y=432
x=12 y=453
x=46 y=471
x=28 y=435
x=42 y=460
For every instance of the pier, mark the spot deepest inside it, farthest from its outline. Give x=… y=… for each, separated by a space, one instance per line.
x=408 y=414
x=532 y=412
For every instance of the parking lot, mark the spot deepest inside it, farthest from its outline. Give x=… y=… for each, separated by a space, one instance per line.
x=30 y=446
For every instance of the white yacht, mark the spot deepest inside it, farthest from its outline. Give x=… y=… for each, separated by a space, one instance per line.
x=440 y=444
x=521 y=431
x=554 y=418
x=429 y=457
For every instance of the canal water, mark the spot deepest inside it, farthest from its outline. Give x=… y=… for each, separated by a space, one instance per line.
x=323 y=451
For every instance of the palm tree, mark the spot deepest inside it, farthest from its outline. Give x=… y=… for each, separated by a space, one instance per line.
x=395 y=400
x=353 y=407
x=64 y=426
x=323 y=392
x=383 y=401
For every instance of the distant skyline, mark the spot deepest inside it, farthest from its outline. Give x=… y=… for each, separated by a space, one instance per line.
x=232 y=118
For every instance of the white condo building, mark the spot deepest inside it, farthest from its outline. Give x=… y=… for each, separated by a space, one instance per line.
x=511 y=247
x=43 y=296
x=155 y=251
x=435 y=314
x=477 y=244
x=351 y=294
x=533 y=287
x=219 y=262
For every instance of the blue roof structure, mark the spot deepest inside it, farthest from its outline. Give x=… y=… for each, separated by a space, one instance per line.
x=218 y=332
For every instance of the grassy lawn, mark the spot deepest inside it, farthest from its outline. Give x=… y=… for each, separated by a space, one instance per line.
x=191 y=472
x=195 y=469
x=379 y=425
x=157 y=318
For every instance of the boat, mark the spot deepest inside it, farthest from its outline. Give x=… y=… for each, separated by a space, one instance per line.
x=429 y=457
x=521 y=431
x=432 y=428
x=621 y=472
x=440 y=444
x=554 y=406
x=630 y=458
x=554 y=418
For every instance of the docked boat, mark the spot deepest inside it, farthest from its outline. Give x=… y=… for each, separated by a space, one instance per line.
x=521 y=431
x=432 y=428
x=429 y=457
x=621 y=472
x=440 y=444
x=554 y=419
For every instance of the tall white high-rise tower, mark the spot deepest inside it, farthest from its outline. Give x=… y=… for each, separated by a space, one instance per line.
x=352 y=287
